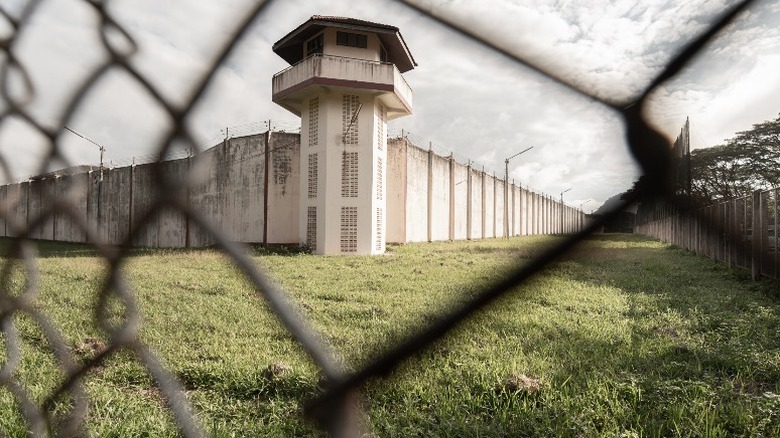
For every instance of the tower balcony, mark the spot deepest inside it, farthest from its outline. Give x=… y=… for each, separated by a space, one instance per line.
x=317 y=72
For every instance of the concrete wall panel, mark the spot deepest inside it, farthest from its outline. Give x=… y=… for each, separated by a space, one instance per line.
x=95 y=211
x=114 y=200
x=230 y=191
x=283 y=188
x=416 y=195
x=427 y=197
x=396 y=191
x=167 y=227
x=67 y=226
x=476 y=204
x=490 y=226
x=440 y=198
x=41 y=196
x=19 y=193
x=499 y=207
x=461 y=201
x=5 y=208
x=516 y=228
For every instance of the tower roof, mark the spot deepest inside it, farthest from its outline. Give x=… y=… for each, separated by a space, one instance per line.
x=290 y=47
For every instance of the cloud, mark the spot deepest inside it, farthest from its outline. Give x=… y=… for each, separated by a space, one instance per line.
x=470 y=100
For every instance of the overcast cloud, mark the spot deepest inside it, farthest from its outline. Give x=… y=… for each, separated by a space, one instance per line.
x=467 y=99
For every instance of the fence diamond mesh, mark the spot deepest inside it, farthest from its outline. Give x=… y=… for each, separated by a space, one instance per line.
x=64 y=410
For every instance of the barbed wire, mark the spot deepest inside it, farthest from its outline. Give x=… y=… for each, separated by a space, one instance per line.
x=446 y=152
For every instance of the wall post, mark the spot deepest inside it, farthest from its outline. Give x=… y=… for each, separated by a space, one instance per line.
x=131 y=204
x=513 y=210
x=483 y=202
x=430 y=189
x=755 y=270
x=187 y=241
x=495 y=207
x=469 y=209
x=265 y=179
x=452 y=197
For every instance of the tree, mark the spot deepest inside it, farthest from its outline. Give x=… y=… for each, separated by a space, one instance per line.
x=749 y=161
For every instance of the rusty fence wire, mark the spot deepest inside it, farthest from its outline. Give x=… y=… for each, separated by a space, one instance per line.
x=334 y=410
x=739 y=231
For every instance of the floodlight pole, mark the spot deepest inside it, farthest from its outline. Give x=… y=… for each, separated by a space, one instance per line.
x=561 y=208
x=101 y=148
x=506 y=190
x=563 y=193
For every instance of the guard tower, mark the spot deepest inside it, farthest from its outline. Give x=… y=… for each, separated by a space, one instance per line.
x=344 y=83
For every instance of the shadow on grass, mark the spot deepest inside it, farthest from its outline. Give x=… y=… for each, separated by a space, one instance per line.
x=705 y=338
x=56 y=249
x=699 y=353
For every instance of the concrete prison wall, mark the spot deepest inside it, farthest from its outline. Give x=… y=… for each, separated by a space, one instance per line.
x=229 y=192
x=433 y=197
x=249 y=189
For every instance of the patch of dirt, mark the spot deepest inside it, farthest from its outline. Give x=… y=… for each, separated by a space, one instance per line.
x=753 y=388
x=522 y=383
x=90 y=347
x=277 y=370
x=666 y=331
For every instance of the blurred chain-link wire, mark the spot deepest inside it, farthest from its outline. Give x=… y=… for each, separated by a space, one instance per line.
x=334 y=410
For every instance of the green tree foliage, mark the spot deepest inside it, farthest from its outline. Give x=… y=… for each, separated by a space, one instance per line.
x=749 y=161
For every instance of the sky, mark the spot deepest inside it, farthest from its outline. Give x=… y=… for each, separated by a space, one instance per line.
x=468 y=99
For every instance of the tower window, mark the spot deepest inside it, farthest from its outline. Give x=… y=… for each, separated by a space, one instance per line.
x=314 y=116
x=351 y=39
x=348 y=229
x=349 y=109
x=311 y=228
x=379 y=178
x=380 y=127
x=313 y=176
x=349 y=174
x=379 y=229
x=314 y=45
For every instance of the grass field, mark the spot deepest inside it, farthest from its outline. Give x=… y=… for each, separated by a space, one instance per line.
x=625 y=337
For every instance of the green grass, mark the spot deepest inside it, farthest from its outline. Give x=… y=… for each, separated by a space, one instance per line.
x=624 y=337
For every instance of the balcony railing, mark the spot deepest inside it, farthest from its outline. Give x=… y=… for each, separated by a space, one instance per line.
x=341 y=68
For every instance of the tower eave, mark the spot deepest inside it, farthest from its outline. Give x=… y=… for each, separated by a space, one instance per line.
x=290 y=47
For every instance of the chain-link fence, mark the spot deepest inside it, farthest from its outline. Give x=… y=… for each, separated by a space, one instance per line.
x=334 y=409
